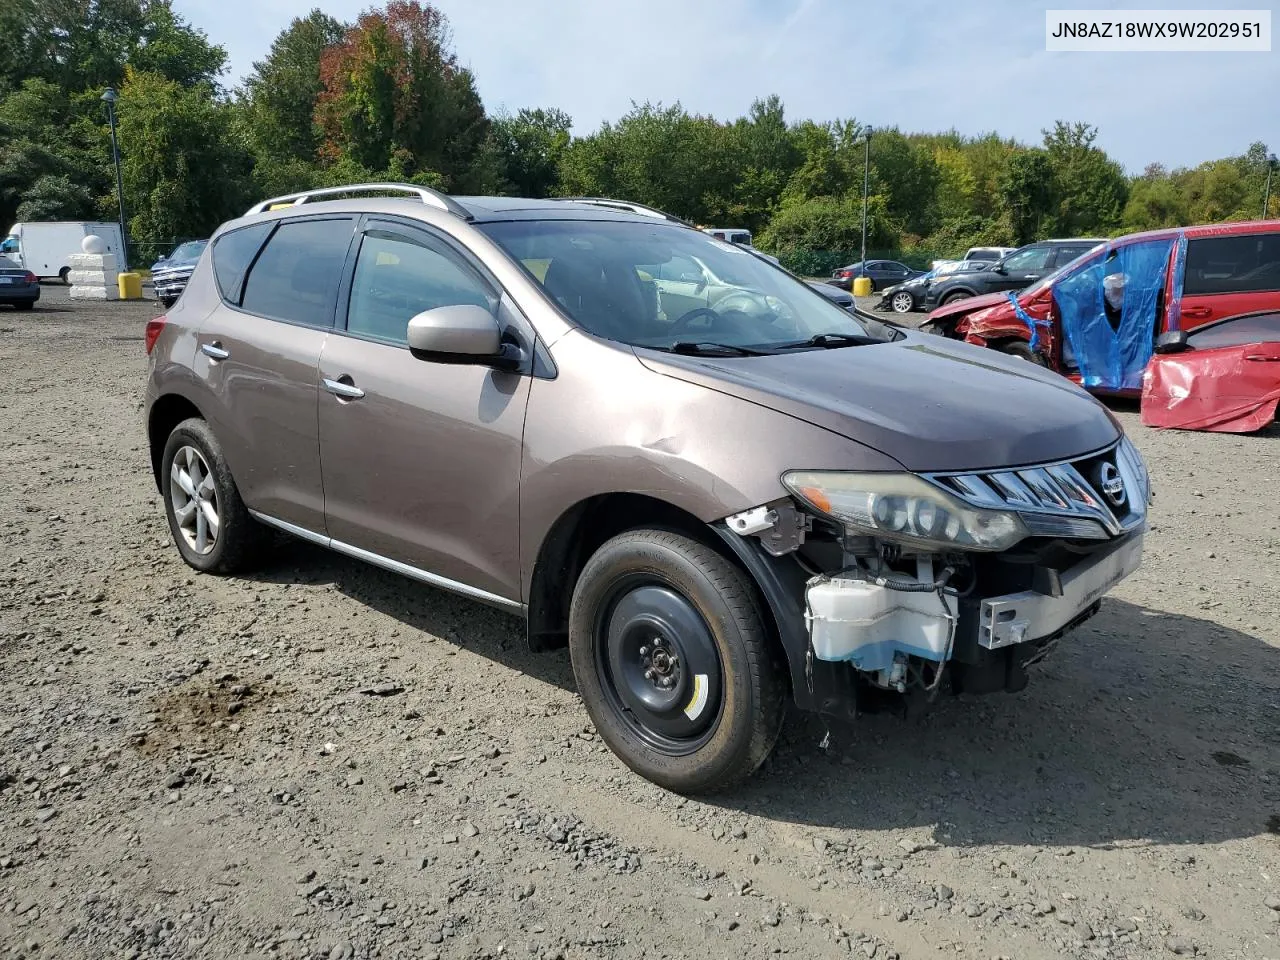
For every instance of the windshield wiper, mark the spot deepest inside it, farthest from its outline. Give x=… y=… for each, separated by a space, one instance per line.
x=830 y=341
x=705 y=348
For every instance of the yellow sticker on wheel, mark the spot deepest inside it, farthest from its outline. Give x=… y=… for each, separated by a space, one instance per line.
x=698 y=703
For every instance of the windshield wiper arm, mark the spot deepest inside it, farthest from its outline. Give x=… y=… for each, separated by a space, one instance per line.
x=706 y=348
x=828 y=341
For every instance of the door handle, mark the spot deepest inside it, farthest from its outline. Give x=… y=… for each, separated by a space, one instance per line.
x=1197 y=312
x=214 y=351
x=343 y=388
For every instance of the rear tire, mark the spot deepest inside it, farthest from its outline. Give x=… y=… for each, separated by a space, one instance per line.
x=65 y=275
x=936 y=329
x=673 y=661
x=1022 y=350
x=958 y=295
x=24 y=305
x=213 y=531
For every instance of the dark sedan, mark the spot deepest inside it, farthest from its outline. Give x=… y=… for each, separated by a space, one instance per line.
x=883 y=273
x=170 y=274
x=19 y=287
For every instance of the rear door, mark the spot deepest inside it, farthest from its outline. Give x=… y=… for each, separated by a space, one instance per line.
x=258 y=352
x=1227 y=276
x=421 y=458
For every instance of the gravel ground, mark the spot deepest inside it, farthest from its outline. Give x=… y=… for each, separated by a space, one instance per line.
x=325 y=760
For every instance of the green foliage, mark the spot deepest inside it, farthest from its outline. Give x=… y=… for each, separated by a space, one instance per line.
x=1027 y=194
x=392 y=87
x=184 y=172
x=280 y=95
x=54 y=197
x=527 y=150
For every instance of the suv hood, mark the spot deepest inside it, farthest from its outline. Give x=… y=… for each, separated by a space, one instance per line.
x=930 y=403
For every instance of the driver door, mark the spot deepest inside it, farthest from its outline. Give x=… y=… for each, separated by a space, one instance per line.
x=420 y=459
x=1021 y=269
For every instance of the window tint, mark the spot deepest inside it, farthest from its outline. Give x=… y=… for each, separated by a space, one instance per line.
x=232 y=254
x=1233 y=264
x=296 y=277
x=744 y=238
x=1260 y=328
x=398 y=277
x=1033 y=260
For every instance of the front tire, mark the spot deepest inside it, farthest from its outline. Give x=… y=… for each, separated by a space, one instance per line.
x=672 y=659
x=903 y=302
x=1023 y=351
x=24 y=305
x=65 y=275
x=210 y=524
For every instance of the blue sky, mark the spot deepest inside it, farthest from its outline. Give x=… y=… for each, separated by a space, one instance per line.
x=975 y=66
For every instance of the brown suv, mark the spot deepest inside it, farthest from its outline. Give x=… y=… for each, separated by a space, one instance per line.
x=718 y=495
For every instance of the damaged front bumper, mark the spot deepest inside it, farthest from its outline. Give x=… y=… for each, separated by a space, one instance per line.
x=864 y=620
x=883 y=632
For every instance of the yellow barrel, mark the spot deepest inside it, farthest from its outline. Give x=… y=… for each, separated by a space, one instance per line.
x=130 y=286
x=862 y=286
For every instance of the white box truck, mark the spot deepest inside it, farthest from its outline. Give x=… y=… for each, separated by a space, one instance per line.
x=46 y=248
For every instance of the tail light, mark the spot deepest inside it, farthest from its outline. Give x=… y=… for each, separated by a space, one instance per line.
x=30 y=278
x=844 y=274
x=153 y=332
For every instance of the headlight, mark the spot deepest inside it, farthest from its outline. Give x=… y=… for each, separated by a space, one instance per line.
x=904 y=509
x=1139 y=467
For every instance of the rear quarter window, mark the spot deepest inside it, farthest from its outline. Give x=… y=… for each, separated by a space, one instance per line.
x=232 y=254
x=1241 y=264
x=296 y=276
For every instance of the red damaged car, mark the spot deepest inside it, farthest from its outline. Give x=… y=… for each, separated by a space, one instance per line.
x=1097 y=320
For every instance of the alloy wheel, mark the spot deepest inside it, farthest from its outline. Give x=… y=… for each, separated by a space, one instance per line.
x=194 y=498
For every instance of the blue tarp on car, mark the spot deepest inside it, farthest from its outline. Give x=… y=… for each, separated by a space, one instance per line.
x=1111 y=346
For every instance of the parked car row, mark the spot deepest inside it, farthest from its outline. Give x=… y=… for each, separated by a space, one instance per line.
x=1113 y=317
x=718 y=488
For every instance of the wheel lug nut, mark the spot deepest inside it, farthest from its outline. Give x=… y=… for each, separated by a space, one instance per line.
x=644 y=651
x=648 y=674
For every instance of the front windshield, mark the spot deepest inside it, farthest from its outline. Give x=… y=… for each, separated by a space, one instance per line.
x=665 y=287
x=188 y=251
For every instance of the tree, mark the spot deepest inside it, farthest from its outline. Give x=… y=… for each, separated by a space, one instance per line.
x=54 y=197
x=48 y=138
x=280 y=94
x=528 y=149
x=1027 y=194
x=655 y=155
x=184 y=171
x=83 y=44
x=393 y=87
x=1090 y=189
x=908 y=177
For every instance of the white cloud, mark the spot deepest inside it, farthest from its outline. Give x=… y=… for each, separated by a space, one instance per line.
x=913 y=64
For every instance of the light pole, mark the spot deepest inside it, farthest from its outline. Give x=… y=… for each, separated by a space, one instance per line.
x=866 y=183
x=1266 y=195
x=110 y=97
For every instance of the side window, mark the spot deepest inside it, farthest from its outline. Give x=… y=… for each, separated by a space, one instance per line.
x=296 y=276
x=1243 y=264
x=1034 y=260
x=232 y=254
x=398 y=277
x=1261 y=328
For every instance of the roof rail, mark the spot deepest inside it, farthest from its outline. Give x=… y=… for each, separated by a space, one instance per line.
x=432 y=198
x=628 y=206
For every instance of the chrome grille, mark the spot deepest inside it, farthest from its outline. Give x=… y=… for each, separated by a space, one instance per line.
x=1060 y=499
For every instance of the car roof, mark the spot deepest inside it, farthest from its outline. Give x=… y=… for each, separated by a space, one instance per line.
x=488 y=209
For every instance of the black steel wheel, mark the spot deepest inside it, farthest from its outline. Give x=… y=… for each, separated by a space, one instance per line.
x=672 y=658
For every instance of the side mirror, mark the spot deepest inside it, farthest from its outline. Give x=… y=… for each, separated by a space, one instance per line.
x=1172 y=341
x=463 y=333
x=998 y=268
